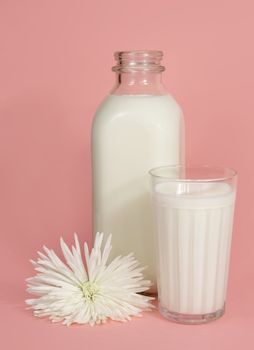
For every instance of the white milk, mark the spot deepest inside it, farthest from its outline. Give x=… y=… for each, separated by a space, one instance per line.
x=131 y=135
x=194 y=237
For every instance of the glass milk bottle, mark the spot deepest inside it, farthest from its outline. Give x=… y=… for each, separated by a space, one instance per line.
x=137 y=127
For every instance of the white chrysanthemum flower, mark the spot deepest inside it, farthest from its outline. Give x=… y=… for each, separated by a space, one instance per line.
x=91 y=293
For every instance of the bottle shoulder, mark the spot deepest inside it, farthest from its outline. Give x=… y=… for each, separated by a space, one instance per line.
x=149 y=105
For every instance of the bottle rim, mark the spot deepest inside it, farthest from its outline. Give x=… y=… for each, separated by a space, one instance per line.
x=138 y=60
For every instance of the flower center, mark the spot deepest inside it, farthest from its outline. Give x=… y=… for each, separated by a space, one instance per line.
x=89 y=290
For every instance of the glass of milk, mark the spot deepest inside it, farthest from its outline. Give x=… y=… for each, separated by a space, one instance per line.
x=194 y=209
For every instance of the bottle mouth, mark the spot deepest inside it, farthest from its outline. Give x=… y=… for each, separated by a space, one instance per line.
x=138 y=60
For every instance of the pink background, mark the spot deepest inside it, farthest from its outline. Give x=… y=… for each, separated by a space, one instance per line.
x=55 y=65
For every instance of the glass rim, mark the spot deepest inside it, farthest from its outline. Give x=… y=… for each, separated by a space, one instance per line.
x=230 y=171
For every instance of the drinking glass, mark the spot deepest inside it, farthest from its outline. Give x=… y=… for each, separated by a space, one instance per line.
x=194 y=209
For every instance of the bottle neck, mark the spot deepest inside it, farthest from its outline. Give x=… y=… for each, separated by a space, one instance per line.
x=138 y=73
x=138 y=83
